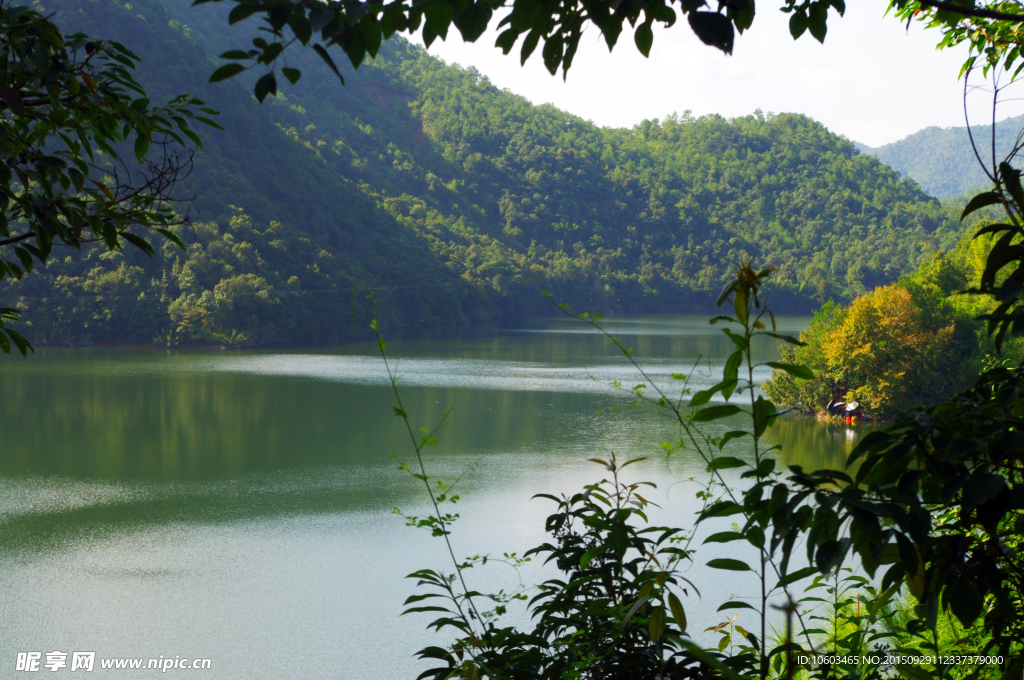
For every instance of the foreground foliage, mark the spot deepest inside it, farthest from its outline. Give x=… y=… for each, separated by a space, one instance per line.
x=929 y=509
x=68 y=105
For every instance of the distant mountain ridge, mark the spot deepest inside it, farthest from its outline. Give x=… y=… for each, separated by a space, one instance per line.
x=444 y=193
x=943 y=161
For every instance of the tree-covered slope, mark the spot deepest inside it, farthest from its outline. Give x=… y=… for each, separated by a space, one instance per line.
x=943 y=161
x=430 y=184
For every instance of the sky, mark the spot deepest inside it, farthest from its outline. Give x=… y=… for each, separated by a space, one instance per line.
x=872 y=80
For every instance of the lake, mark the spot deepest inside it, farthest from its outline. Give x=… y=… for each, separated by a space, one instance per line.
x=238 y=505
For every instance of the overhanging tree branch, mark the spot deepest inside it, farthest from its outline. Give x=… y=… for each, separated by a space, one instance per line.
x=976 y=12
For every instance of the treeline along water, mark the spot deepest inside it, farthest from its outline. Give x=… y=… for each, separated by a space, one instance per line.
x=237 y=505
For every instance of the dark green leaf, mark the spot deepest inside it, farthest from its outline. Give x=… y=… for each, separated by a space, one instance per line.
x=797 y=24
x=965 y=602
x=141 y=146
x=644 y=38
x=472 y=21
x=724 y=463
x=656 y=624
x=795 y=576
x=980 y=201
x=240 y=12
x=326 y=58
x=267 y=84
x=713 y=29
x=724 y=537
x=226 y=71
x=139 y=242
x=320 y=17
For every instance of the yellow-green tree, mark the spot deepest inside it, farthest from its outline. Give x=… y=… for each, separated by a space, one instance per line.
x=897 y=351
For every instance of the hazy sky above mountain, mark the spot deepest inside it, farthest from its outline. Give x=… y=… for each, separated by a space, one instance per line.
x=872 y=80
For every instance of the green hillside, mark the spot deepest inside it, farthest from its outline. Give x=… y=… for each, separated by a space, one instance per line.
x=942 y=160
x=443 y=192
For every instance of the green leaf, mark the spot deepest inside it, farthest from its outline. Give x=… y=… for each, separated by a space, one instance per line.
x=241 y=12
x=724 y=537
x=25 y=258
x=644 y=38
x=439 y=15
x=206 y=121
x=267 y=84
x=141 y=146
x=703 y=397
x=980 y=201
x=965 y=602
x=764 y=415
x=756 y=537
x=320 y=17
x=21 y=343
x=729 y=436
x=728 y=564
x=139 y=242
x=817 y=19
x=733 y=604
x=713 y=29
x=730 y=373
x=797 y=24
x=829 y=554
x=589 y=556
x=724 y=463
x=552 y=54
x=326 y=58
x=472 y=21
x=984 y=486
x=1011 y=180
x=529 y=45
x=506 y=40
x=172 y=237
x=721 y=509
x=12 y=97
x=799 y=575
x=796 y=370
x=292 y=74
x=764 y=468
x=715 y=412
x=226 y=71
x=678 y=613
x=656 y=624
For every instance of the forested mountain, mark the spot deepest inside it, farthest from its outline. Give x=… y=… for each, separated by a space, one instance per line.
x=442 y=192
x=943 y=161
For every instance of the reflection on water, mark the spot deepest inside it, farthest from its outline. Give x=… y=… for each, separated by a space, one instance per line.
x=814 y=444
x=237 y=505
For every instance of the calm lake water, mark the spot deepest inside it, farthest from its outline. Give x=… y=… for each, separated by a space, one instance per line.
x=237 y=505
